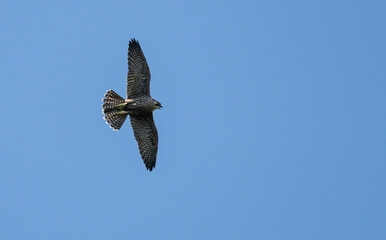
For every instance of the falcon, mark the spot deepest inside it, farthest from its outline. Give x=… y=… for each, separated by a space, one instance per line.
x=138 y=105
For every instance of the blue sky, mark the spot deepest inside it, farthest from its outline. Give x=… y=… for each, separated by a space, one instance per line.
x=273 y=124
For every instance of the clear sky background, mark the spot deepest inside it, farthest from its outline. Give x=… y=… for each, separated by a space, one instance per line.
x=273 y=124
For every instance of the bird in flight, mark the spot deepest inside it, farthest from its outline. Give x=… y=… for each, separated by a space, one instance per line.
x=139 y=105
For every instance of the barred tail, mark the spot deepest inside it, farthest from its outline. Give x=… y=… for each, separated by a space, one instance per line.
x=113 y=115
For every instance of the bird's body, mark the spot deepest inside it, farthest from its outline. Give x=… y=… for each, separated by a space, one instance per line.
x=139 y=105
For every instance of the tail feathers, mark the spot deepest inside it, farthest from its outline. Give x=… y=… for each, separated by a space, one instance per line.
x=112 y=99
x=115 y=119
x=113 y=115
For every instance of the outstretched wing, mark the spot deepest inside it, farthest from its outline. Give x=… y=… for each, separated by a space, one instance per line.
x=138 y=77
x=146 y=135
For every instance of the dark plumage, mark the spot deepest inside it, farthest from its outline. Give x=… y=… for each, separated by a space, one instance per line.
x=139 y=105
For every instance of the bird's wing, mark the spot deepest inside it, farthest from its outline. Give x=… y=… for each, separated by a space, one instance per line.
x=138 y=77
x=146 y=135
